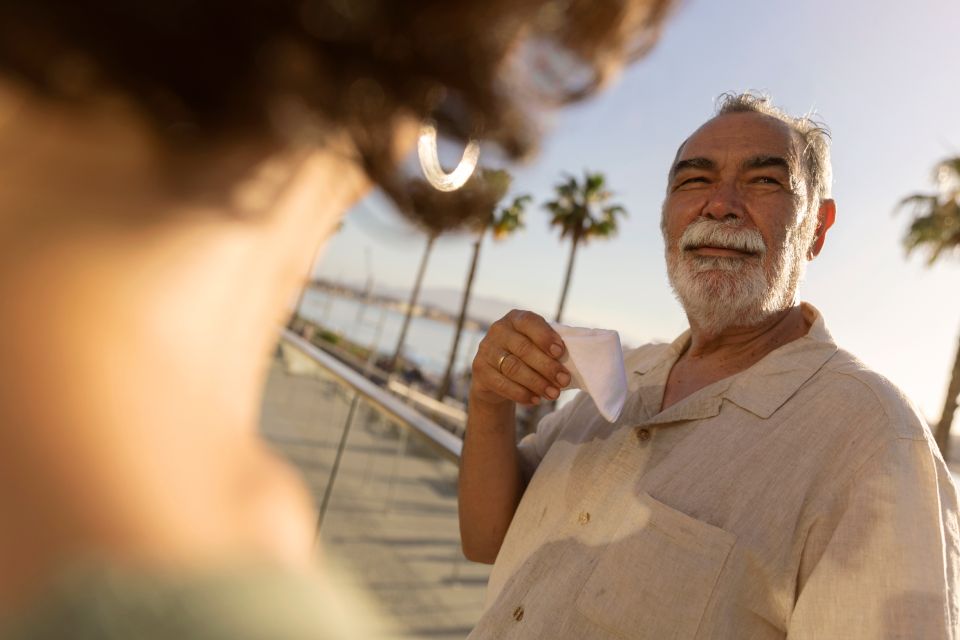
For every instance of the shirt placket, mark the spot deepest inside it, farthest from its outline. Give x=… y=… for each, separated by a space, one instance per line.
x=589 y=515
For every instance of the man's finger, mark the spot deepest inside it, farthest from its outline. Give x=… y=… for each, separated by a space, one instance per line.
x=507 y=388
x=516 y=370
x=538 y=330
x=546 y=366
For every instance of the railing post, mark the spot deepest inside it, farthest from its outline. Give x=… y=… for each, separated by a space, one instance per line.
x=336 y=462
x=400 y=453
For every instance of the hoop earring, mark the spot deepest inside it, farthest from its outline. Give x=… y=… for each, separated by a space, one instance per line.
x=430 y=160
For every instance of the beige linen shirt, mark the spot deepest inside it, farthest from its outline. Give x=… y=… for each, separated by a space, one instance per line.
x=803 y=498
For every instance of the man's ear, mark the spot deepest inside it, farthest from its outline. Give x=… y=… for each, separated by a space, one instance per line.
x=826 y=215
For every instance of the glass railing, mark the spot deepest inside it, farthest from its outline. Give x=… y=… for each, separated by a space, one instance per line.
x=384 y=478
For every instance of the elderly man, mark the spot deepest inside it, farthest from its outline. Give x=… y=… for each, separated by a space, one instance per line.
x=760 y=482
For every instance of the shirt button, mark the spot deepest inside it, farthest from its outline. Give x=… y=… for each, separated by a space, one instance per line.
x=584 y=517
x=643 y=435
x=518 y=614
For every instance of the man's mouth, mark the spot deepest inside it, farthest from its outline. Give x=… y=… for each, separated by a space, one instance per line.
x=717 y=240
x=719 y=251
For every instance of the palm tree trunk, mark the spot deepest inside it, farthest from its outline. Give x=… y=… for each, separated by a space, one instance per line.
x=566 y=281
x=448 y=374
x=295 y=315
x=395 y=361
x=294 y=320
x=949 y=408
x=533 y=417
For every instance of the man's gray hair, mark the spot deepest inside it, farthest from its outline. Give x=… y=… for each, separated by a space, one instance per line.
x=813 y=137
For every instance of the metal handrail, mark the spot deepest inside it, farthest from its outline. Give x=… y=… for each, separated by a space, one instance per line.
x=447 y=443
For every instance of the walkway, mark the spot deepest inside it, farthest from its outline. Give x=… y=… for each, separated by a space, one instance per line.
x=393 y=515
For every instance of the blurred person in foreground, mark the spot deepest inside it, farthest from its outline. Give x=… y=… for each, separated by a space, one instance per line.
x=760 y=482
x=168 y=171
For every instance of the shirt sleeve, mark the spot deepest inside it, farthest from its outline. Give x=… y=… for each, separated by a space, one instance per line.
x=533 y=446
x=884 y=563
x=580 y=410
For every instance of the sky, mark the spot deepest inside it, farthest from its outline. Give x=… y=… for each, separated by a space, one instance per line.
x=885 y=77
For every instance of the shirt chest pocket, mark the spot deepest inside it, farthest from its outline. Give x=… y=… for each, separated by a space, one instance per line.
x=655 y=578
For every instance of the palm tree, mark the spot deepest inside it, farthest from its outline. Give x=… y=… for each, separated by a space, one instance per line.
x=412 y=302
x=503 y=223
x=437 y=212
x=581 y=212
x=936 y=228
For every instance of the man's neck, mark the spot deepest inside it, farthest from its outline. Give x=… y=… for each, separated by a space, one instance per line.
x=714 y=356
x=747 y=343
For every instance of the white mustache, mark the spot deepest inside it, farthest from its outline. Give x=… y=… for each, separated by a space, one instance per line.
x=705 y=233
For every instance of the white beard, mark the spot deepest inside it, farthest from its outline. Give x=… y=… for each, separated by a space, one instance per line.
x=722 y=292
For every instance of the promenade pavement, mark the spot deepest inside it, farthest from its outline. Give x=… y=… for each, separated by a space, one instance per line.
x=392 y=519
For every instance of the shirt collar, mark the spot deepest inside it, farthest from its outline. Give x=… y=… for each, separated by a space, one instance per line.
x=767 y=385
x=661 y=354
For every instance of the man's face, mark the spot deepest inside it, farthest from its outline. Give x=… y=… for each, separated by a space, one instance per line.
x=735 y=223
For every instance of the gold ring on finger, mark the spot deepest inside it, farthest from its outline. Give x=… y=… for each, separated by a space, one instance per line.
x=500 y=362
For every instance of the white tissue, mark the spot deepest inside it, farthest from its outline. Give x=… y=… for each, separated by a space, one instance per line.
x=594 y=359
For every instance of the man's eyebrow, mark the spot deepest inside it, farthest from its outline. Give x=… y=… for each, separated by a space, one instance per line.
x=763 y=162
x=692 y=163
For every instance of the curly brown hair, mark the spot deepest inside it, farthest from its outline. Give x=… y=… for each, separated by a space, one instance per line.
x=202 y=71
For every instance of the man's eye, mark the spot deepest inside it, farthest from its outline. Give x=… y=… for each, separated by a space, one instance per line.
x=766 y=180
x=691 y=181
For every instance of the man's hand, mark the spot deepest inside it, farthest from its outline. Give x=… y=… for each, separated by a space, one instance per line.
x=517 y=361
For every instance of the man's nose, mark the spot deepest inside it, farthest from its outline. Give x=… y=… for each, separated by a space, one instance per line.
x=724 y=203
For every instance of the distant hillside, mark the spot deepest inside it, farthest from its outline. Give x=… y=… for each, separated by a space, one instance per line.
x=482 y=310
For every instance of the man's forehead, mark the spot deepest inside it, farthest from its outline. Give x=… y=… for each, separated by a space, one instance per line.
x=746 y=133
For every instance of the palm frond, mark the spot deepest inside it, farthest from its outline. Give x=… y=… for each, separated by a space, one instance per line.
x=935 y=226
x=578 y=207
x=948 y=168
x=511 y=217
